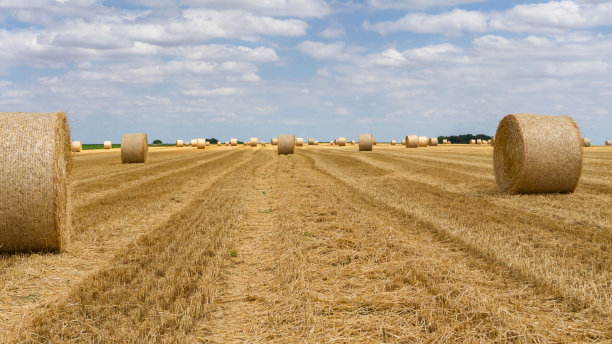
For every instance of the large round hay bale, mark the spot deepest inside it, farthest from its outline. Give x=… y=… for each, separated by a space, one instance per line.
x=374 y=141
x=108 y=145
x=201 y=143
x=586 y=142
x=365 y=142
x=274 y=141
x=76 y=146
x=492 y=141
x=234 y=142
x=299 y=142
x=253 y=142
x=608 y=143
x=392 y=142
x=472 y=142
x=433 y=141
x=537 y=154
x=423 y=141
x=34 y=196
x=286 y=144
x=412 y=141
x=179 y=143
x=341 y=141
x=311 y=141
x=134 y=148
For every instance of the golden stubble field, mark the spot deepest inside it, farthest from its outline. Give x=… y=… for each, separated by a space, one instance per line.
x=237 y=244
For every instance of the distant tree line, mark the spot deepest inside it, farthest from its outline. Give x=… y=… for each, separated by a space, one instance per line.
x=212 y=141
x=464 y=138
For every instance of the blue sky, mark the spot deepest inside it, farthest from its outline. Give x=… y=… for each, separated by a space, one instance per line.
x=317 y=68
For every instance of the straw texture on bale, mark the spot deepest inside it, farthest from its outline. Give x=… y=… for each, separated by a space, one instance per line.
x=392 y=142
x=274 y=141
x=365 y=142
x=479 y=141
x=412 y=141
x=492 y=141
x=311 y=141
x=374 y=142
x=286 y=144
x=134 y=148
x=201 y=143
x=76 y=146
x=194 y=142
x=586 y=142
x=423 y=141
x=35 y=162
x=433 y=141
x=179 y=143
x=537 y=154
x=608 y=143
x=299 y=142
x=108 y=145
x=472 y=142
x=234 y=142
x=341 y=141
x=253 y=142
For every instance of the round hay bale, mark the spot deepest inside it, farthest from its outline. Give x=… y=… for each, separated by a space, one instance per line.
x=433 y=141
x=412 y=141
x=194 y=142
x=392 y=142
x=403 y=142
x=108 y=145
x=352 y=142
x=219 y=144
x=374 y=142
x=311 y=141
x=134 y=148
x=537 y=154
x=423 y=141
x=227 y=143
x=234 y=142
x=286 y=144
x=35 y=196
x=492 y=141
x=586 y=142
x=179 y=143
x=608 y=143
x=478 y=141
x=316 y=143
x=274 y=141
x=341 y=141
x=207 y=143
x=253 y=142
x=201 y=143
x=299 y=142
x=472 y=142
x=76 y=146
x=444 y=141
x=365 y=142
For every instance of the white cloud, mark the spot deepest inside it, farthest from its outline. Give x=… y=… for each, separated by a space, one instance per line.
x=332 y=33
x=293 y=8
x=336 y=51
x=223 y=91
x=448 y=23
x=416 y=4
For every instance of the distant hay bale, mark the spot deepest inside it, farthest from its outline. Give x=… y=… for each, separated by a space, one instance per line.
x=234 y=142
x=423 y=141
x=219 y=144
x=365 y=142
x=194 y=142
x=108 y=145
x=201 y=143
x=586 y=142
x=608 y=143
x=286 y=144
x=444 y=141
x=311 y=141
x=433 y=141
x=253 y=142
x=341 y=141
x=207 y=143
x=403 y=142
x=537 y=154
x=412 y=141
x=472 y=142
x=35 y=163
x=352 y=142
x=274 y=141
x=299 y=142
x=392 y=142
x=448 y=142
x=76 y=146
x=478 y=141
x=179 y=143
x=134 y=148
x=489 y=142
x=316 y=143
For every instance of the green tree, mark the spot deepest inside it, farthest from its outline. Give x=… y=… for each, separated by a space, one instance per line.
x=157 y=142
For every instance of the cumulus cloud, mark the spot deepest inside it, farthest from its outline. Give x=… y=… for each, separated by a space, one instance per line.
x=333 y=51
x=293 y=8
x=416 y=4
x=333 y=33
x=448 y=23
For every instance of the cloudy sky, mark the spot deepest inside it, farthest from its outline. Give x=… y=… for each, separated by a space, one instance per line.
x=316 y=68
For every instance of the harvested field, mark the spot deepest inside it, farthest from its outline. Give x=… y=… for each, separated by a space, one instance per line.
x=233 y=244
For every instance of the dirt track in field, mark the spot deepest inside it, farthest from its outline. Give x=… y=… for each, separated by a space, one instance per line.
x=236 y=244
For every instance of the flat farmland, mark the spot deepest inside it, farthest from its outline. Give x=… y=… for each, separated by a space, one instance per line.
x=238 y=244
